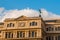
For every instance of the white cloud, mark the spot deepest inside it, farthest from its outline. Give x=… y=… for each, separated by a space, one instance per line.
x=27 y=12
x=49 y=15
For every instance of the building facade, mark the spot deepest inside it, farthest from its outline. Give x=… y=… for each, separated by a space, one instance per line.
x=29 y=28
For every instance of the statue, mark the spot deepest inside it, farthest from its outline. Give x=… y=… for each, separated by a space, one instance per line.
x=40 y=13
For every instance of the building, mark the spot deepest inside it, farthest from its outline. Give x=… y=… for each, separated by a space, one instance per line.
x=29 y=28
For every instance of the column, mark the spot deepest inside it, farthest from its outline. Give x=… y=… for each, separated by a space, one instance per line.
x=14 y=34
x=26 y=33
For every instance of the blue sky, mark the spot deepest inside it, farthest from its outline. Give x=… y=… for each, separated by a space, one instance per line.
x=49 y=5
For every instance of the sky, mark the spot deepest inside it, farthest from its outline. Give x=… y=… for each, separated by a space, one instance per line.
x=50 y=5
x=15 y=8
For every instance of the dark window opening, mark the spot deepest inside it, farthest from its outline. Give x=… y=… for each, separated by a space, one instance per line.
x=33 y=24
x=10 y=25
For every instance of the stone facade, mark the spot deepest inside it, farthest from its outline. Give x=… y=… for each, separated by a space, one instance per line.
x=29 y=28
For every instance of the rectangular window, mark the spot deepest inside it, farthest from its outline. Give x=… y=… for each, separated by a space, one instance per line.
x=57 y=28
x=33 y=23
x=20 y=34
x=47 y=29
x=0 y=31
x=10 y=25
x=58 y=37
x=50 y=29
x=49 y=38
x=8 y=35
x=32 y=34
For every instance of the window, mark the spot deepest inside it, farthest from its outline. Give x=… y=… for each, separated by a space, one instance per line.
x=0 y=31
x=20 y=34
x=58 y=37
x=49 y=38
x=33 y=24
x=8 y=35
x=57 y=28
x=32 y=34
x=1 y=23
x=10 y=25
x=49 y=29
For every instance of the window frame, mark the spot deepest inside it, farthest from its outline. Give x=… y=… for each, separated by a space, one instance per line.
x=33 y=23
x=10 y=25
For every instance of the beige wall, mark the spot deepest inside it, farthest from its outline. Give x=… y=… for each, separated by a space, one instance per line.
x=26 y=28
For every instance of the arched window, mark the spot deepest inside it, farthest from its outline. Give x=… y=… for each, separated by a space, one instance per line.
x=10 y=25
x=33 y=24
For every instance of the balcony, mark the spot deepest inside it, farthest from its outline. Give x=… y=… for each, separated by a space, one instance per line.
x=22 y=38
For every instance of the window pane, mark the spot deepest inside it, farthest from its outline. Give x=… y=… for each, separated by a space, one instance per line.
x=49 y=38
x=8 y=25
x=13 y=25
x=17 y=34
x=47 y=29
x=30 y=24
x=0 y=31
x=46 y=38
x=32 y=33
x=58 y=28
x=33 y=24
x=8 y=35
x=20 y=34
x=58 y=37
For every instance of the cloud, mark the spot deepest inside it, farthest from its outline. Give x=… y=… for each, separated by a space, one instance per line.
x=26 y=12
x=16 y=13
x=49 y=15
